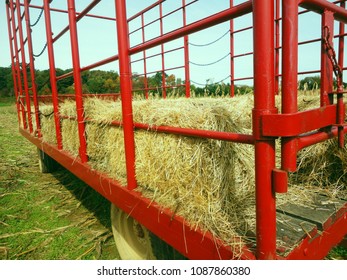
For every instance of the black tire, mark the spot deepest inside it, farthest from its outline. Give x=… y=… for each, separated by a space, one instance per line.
x=135 y=242
x=46 y=163
x=163 y=251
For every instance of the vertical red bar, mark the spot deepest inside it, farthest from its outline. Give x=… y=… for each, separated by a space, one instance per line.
x=326 y=65
x=277 y=48
x=16 y=67
x=340 y=103
x=264 y=103
x=14 y=76
x=126 y=89
x=77 y=81
x=163 y=78
x=186 y=52
x=24 y=67
x=144 y=56
x=341 y=39
x=52 y=72
x=232 y=53
x=32 y=67
x=289 y=76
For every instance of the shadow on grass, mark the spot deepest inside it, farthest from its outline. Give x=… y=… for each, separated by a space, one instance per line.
x=93 y=201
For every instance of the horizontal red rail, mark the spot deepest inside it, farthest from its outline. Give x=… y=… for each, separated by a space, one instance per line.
x=154 y=88
x=150 y=7
x=157 y=54
x=242 y=54
x=78 y=18
x=210 y=21
x=160 y=70
x=320 y=6
x=317 y=137
x=199 y=133
x=91 y=66
x=65 y=12
x=293 y=124
x=217 y=135
x=155 y=20
x=48 y=98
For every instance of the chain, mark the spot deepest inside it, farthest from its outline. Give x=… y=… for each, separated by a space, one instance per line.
x=38 y=19
x=208 y=44
x=206 y=84
x=38 y=55
x=332 y=57
x=211 y=63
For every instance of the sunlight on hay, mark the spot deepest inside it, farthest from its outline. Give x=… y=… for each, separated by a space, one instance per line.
x=208 y=182
x=47 y=124
x=69 y=129
x=199 y=179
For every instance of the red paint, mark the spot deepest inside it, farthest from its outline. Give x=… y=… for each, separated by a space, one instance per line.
x=77 y=79
x=264 y=103
x=340 y=104
x=126 y=91
x=232 y=55
x=289 y=125
x=280 y=180
x=297 y=129
x=172 y=228
x=52 y=73
x=23 y=66
x=32 y=68
x=13 y=50
x=186 y=52
x=15 y=59
x=289 y=77
x=319 y=246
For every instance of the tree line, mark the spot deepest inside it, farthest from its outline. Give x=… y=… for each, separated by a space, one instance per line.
x=100 y=81
x=93 y=81
x=96 y=81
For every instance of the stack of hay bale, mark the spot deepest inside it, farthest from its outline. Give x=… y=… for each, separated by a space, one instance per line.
x=208 y=182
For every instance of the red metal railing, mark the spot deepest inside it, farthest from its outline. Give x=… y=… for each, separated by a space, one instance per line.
x=296 y=129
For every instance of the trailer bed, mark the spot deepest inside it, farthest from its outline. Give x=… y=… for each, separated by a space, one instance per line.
x=296 y=223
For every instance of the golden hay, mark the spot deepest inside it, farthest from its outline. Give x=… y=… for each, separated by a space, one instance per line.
x=208 y=182
x=47 y=124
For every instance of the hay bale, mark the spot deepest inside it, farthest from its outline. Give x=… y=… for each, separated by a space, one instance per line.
x=69 y=127
x=47 y=124
x=199 y=179
x=208 y=182
x=323 y=167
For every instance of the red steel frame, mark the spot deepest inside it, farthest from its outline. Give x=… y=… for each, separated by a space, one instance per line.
x=296 y=129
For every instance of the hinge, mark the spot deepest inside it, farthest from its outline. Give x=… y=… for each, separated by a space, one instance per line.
x=280 y=180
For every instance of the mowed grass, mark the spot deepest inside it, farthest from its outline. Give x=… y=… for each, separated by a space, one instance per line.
x=46 y=216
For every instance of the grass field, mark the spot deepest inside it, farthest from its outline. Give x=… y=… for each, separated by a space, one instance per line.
x=51 y=216
x=46 y=216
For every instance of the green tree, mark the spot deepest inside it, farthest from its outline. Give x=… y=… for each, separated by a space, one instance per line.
x=6 y=82
x=309 y=83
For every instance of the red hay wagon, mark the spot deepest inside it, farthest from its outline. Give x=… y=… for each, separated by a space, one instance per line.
x=275 y=46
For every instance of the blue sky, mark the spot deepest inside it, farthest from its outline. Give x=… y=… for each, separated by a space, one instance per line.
x=97 y=39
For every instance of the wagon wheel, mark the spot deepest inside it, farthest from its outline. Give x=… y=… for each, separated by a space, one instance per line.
x=46 y=163
x=135 y=242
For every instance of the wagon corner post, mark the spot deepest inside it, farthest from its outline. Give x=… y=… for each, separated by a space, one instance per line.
x=126 y=90
x=264 y=103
